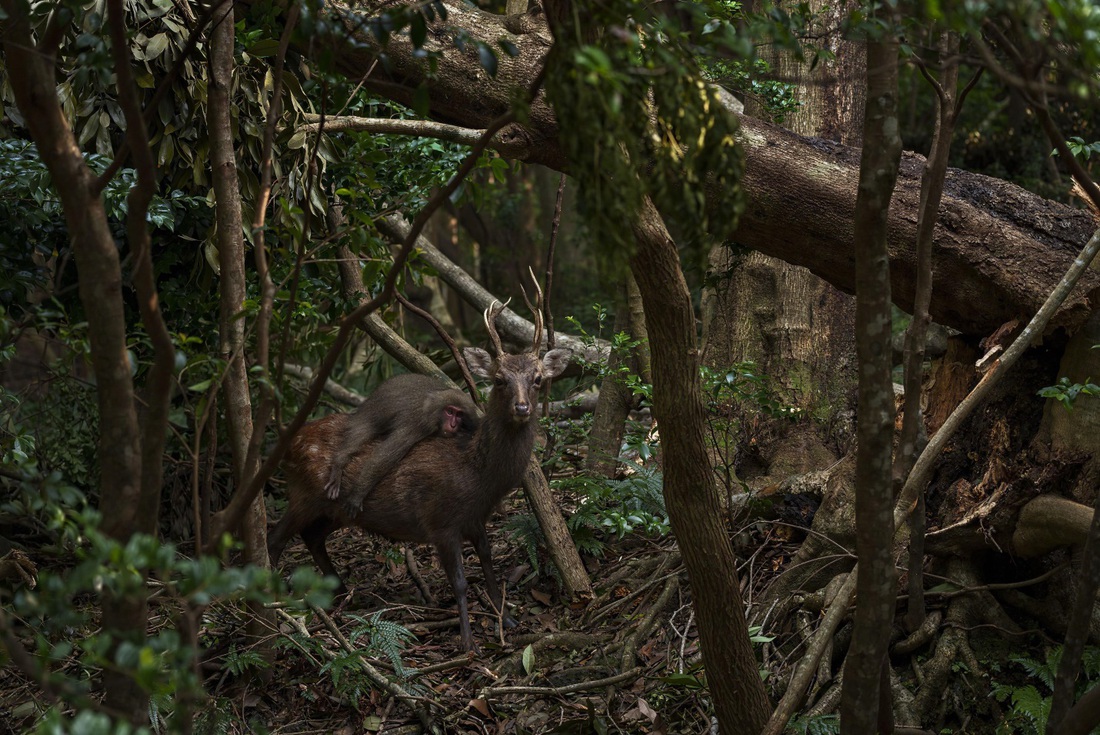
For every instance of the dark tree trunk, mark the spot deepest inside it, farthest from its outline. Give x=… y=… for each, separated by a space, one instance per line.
x=232 y=292
x=861 y=700
x=129 y=481
x=739 y=698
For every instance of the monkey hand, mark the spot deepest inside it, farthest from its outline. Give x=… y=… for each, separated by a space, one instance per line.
x=332 y=487
x=352 y=504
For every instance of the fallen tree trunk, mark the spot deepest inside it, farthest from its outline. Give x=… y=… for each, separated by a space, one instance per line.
x=1001 y=248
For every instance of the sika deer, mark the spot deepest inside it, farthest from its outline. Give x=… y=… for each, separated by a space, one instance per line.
x=444 y=490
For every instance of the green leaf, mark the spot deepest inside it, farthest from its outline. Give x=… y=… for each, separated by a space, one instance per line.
x=683 y=680
x=529 y=659
x=488 y=59
x=156 y=46
x=267 y=47
x=418 y=31
x=298 y=140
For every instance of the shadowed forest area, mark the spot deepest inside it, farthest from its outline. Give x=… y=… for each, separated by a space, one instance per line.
x=548 y=367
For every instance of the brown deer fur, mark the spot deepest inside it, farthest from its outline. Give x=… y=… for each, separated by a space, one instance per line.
x=441 y=493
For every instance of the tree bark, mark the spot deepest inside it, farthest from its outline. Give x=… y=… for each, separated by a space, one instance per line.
x=797 y=328
x=1002 y=248
x=100 y=285
x=612 y=407
x=232 y=291
x=739 y=698
x=231 y=254
x=860 y=705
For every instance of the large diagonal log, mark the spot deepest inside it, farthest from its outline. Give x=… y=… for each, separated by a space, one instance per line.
x=999 y=249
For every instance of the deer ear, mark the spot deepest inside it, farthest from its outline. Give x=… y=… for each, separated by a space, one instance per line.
x=480 y=361
x=554 y=362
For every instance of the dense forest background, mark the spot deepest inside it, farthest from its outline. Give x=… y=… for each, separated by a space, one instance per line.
x=823 y=273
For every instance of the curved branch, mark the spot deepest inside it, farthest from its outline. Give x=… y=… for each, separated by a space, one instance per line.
x=510 y=147
x=518 y=329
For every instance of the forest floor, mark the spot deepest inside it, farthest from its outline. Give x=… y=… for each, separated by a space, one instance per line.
x=627 y=662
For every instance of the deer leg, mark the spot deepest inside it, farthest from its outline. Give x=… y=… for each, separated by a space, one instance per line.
x=276 y=540
x=314 y=535
x=414 y=572
x=450 y=555
x=485 y=554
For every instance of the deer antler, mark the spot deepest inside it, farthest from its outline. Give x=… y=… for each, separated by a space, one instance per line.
x=536 y=309
x=490 y=316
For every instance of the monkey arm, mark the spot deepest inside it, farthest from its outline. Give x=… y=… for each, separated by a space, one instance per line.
x=360 y=430
x=384 y=457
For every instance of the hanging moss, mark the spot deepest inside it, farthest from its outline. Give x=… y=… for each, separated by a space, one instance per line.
x=637 y=119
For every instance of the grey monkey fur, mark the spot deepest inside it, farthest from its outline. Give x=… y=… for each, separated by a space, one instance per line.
x=401 y=411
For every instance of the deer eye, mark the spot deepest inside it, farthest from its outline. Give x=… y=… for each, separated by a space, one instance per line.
x=498 y=382
x=537 y=381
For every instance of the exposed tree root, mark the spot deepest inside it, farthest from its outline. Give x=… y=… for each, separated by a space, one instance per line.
x=1049 y=522
x=489 y=692
x=962 y=614
x=920 y=637
x=414 y=573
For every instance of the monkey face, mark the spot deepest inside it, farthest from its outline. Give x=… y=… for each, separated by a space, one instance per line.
x=452 y=420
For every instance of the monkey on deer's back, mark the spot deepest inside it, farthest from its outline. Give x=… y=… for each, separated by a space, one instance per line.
x=402 y=411
x=443 y=491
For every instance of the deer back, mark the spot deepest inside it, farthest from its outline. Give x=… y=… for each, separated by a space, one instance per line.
x=433 y=494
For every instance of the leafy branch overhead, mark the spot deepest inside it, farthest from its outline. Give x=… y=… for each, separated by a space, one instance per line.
x=642 y=121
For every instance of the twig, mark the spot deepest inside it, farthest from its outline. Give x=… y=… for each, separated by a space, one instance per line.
x=466 y=376
x=550 y=336
x=606 y=609
x=268 y=403
x=912 y=431
x=548 y=315
x=454 y=663
x=646 y=625
x=488 y=692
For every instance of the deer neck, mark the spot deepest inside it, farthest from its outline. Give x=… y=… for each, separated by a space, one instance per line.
x=503 y=450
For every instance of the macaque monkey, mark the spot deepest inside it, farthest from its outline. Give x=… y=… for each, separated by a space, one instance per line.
x=402 y=411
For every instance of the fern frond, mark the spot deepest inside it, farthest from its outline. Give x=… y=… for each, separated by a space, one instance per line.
x=525 y=530
x=1028 y=702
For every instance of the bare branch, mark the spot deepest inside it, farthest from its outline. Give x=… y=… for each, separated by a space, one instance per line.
x=508 y=146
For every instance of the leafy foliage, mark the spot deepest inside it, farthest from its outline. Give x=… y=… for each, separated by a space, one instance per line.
x=1080 y=149
x=754 y=78
x=34 y=230
x=619 y=507
x=733 y=396
x=1030 y=702
x=1066 y=393
x=385 y=638
x=642 y=121
x=70 y=646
